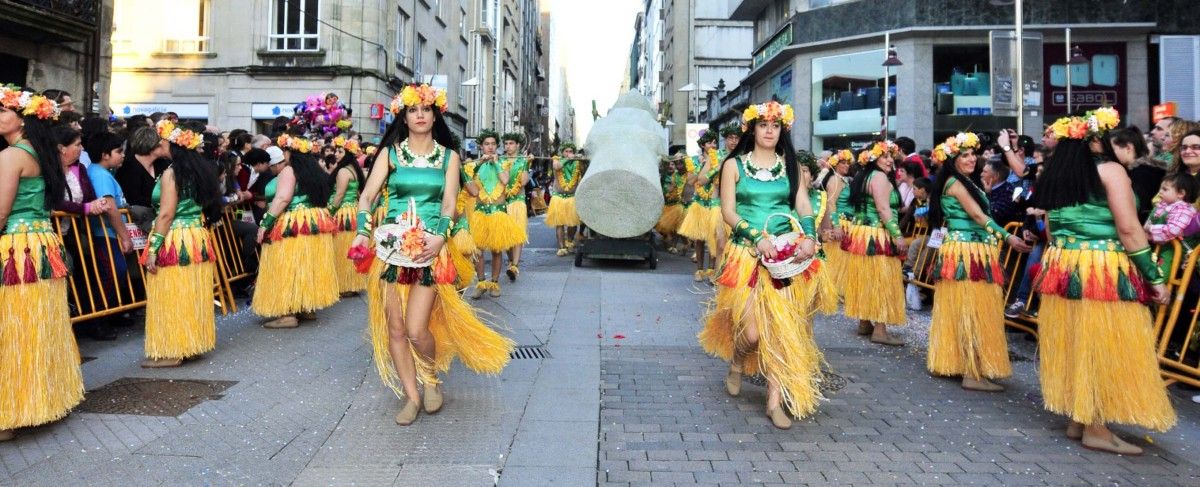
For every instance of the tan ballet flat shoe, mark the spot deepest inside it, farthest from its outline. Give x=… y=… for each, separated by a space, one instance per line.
x=733 y=382
x=779 y=418
x=408 y=413
x=282 y=322
x=981 y=385
x=1110 y=445
x=433 y=399
x=163 y=363
x=887 y=339
x=7 y=435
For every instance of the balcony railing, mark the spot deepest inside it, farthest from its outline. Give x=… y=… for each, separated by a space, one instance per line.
x=87 y=11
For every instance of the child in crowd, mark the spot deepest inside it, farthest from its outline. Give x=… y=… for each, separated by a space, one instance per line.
x=1175 y=210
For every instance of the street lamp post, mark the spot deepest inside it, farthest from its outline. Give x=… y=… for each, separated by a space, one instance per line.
x=1074 y=56
x=889 y=60
x=473 y=83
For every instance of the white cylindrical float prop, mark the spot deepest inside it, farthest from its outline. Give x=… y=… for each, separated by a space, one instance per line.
x=621 y=194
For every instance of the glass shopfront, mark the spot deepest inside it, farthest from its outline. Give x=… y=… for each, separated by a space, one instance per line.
x=847 y=99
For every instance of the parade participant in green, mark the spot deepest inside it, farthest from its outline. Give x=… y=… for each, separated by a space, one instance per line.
x=517 y=167
x=562 y=215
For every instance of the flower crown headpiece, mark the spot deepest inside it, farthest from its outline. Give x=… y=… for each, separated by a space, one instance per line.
x=352 y=146
x=178 y=136
x=838 y=157
x=771 y=111
x=418 y=95
x=954 y=146
x=1094 y=123
x=731 y=129
x=513 y=136
x=294 y=144
x=28 y=103
x=877 y=150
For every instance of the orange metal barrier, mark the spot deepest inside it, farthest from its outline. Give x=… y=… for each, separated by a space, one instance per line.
x=85 y=290
x=921 y=269
x=232 y=263
x=1178 y=346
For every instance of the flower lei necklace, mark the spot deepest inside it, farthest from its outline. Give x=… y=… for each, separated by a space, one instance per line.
x=514 y=184
x=565 y=184
x=431 y=160
x=705 y=192
x=765 y=175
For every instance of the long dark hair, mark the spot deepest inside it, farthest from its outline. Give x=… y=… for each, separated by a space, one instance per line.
x=1070 y=177
x=859 y=196
x=351 y=162
x=783 y=148
x=398 y=131
x=37 y=134
x=196 y=179
x=311 y=180
x=970 y=181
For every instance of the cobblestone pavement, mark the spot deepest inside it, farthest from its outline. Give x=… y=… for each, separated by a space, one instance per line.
x=624 y=397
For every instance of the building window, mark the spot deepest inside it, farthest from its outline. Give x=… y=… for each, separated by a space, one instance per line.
x=847 y=99
x=484 y=12
x=418 y=57
x=437 y=62
x=294 y=25
x=402 y=21
x=463 y=23
x=462 y=90
x=186 y=29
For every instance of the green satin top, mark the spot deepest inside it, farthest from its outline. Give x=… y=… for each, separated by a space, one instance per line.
x=844 y=208
x=298 y=202
x=425 y=185
x=187 y=212
x=959 y=225
x=1086 y=224
x=519 y=166
x=869 y=215
x=351 y=196
x=672 y=187
x=715 y=200
x=757 y=200
x=29 y=211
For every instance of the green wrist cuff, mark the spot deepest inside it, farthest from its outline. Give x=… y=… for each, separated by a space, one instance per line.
x=268 y=221
x=744 y=231
x=363 y=224
x=442 y=226
x=893 y=229
x=995 y=230
x=808 y=224
x=156 y=242
x=1144 y=261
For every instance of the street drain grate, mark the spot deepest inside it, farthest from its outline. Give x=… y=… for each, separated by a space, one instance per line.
x=529 y=352
x=152 y=397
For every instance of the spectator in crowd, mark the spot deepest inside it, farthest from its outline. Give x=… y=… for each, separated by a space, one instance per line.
x=920 y=211
x=1129 y=148
x=1001 y=206
x=907 y=146
x=133 y=123
x=1049 y=142
x=110 y=240
x=146 y=157
x=89 y=128
x=1173 y=213
x=1186 y=152
x=260 y=141
x=62 y=97
x=1160 y=138
x=1017 y=152
x=72 y=119
x=906 y=173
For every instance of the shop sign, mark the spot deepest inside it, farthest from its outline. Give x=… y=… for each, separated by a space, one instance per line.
x=195 y=111
x=269 y=111
x=781 y=40
x=1168 y=109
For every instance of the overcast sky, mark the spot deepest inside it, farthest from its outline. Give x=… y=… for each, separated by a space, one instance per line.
x=592 y=39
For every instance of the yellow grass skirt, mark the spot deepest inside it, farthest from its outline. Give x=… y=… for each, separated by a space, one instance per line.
x=349 y=280
x=464 y=242
x=836 y=261
x=966 y=337
x=456 y=327
x=39 y=359
x=672 y=217
x=562 y=212
x=786 y=352
x=180 y=320
x=700 y=223
x=1098 y=363
x=874 y=289
x=296 y=276
x=519 y=213
x=495 y=232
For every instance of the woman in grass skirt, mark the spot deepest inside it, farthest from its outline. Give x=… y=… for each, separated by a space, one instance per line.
x=1096 y=342
x=346 y=177
x=296 y=277
x=180 y=258
x=757 y=322
x=838 y=215
x=874 y=286
x=704 y=214
x=417 y=320
x=39 y=359
x=966 y=337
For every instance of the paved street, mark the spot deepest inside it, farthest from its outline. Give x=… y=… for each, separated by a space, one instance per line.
x=625 y=397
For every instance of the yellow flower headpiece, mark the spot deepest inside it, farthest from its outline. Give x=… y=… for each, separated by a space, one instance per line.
x=771 y=111
x=839 y=157
x=175 y=135
x=28 y=103
x=954 y=146
x=877 y=150
x=353 y=147
x=294 y=144
x=416 y=95
x=339 y=141
x=1095 y=123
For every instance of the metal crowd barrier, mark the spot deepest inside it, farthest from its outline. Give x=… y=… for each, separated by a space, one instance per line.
x=232 y=261
x=86 y=291
x=922 y=271
x=1175 y=327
